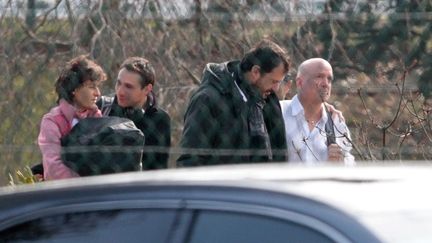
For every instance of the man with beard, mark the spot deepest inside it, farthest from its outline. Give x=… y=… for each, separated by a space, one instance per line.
x=235 y=115
x=306 y=117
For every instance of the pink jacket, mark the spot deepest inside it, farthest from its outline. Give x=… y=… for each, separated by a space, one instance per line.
x=54 y=125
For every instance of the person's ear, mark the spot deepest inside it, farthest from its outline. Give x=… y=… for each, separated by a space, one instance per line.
x=288 y=84
x=256 y=72
x=287 y=87
x=299 y=82
x=149 y=88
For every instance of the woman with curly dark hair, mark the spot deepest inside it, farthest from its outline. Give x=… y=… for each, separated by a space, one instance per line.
x=78 y=90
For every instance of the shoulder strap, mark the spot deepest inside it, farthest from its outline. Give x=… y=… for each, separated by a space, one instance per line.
x=106 y=105
x=329 y=129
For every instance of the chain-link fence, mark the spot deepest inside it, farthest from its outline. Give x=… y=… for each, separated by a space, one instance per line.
x=380 y=51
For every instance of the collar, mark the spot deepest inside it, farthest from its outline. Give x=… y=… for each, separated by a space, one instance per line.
x=67 y=109
x=71 y=112
x=149 y=107
x=297 y=108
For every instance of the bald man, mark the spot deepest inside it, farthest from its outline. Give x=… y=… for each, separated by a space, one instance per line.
x=306 y=117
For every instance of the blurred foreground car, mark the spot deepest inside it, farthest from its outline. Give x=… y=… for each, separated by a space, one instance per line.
x=244 y=203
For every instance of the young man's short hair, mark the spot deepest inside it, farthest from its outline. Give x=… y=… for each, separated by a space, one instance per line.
x=142 y=67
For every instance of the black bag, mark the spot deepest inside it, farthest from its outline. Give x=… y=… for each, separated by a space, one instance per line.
x=329 y=129
x=103 y=145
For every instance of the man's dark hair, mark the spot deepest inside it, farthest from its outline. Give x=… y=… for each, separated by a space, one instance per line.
x=142 y=67
x=74 y=74
x=267 y=55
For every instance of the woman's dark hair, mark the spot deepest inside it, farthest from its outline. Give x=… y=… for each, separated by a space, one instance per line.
x=267 y=55
x=142 y=67
x=75 y=73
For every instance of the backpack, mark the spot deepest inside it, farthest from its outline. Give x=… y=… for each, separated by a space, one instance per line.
x=103 y=145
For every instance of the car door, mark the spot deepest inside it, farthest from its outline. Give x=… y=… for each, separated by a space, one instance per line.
x=236 y=214
x=125 y=221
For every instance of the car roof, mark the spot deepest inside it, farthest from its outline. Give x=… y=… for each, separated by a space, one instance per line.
x=392 y=200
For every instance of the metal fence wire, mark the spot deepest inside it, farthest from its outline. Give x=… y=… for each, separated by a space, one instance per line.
x=380 y=52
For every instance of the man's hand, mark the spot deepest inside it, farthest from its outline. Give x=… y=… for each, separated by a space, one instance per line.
x=335 y=153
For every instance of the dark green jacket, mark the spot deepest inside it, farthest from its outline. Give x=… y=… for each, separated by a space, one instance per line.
x=153 y=122
x=217 y=124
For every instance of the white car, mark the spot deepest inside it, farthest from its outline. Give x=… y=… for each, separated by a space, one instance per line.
x=259 y=203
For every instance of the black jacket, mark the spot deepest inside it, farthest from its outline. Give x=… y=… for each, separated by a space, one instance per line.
x=221 y=128
x=152 y=121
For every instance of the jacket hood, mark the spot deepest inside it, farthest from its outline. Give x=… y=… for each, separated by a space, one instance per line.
x=222 y=76
x=219 y=75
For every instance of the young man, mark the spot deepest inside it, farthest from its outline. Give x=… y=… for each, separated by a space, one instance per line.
x=235 y=116
x=306 y=118
x=134 y=99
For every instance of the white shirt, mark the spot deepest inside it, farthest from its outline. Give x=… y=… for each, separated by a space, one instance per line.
x=310 y=147
x=74 y=122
